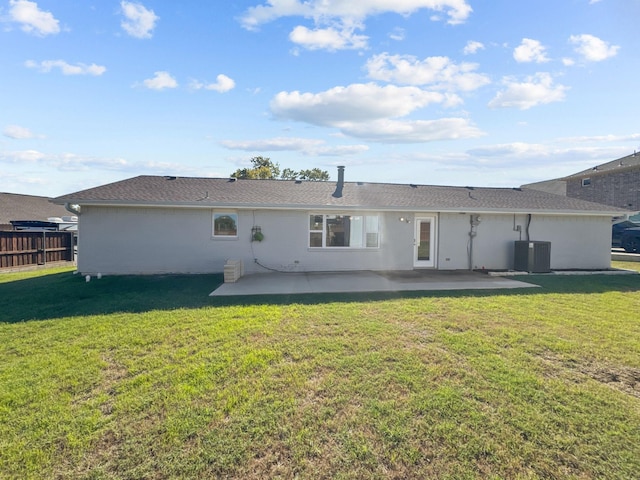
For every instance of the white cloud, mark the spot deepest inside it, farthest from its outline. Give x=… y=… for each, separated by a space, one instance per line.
x=530 y=51
x=18 y=181
x=370 y=111
x=472 y=47
x=67 y=68
x=338 y=150
x=161 y=81
x=22 y=156
x=417 y=131
x=457 y=10
x=222 y=84
x=71 y=162
x=138 y=21
x=335 y=21
x=398 y=34
x=273 y=144
x=438 y=72
x=545 y=158
x=593 y=49
x=328 y=38
x=354 y=103
x=515 y=149
x=307 y=146
x=32 y=19
x=18 y=133
x=536 y=90
x=535 y=162
x=604 y=138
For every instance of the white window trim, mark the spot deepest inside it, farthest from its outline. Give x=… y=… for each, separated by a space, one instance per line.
x=586 y=182
x=213 y=224
x=323 y=232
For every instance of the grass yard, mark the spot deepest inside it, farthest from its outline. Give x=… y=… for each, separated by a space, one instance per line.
x=148 y=377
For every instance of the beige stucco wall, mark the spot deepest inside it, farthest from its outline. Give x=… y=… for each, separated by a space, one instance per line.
x=123 y=240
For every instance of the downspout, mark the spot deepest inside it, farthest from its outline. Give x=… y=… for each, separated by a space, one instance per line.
x=471 y=235
x=474 y=220
x=527 y=229
x=70 y=208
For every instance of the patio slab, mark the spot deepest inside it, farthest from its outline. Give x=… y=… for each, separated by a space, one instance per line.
x=276 y=283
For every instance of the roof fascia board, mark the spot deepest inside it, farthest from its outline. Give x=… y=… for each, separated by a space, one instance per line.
x=333 y=208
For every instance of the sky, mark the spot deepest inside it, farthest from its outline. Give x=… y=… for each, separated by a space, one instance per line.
x=479 y=93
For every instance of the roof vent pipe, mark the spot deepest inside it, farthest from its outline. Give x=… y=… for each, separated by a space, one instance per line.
x=340 y=184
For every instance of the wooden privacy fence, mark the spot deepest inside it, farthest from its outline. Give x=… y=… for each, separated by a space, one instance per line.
x=22 y=248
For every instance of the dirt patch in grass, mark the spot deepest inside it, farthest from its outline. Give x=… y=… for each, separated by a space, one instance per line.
x=626 y=379
x=622 y=378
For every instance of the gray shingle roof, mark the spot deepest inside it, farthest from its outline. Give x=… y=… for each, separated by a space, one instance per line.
x=14 y=206
x=223 y=192
x=630 y=161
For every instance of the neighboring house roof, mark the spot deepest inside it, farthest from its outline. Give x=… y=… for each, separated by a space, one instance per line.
x=628 y=162
x=289 y=194
x=14 y=206
x=559 y=185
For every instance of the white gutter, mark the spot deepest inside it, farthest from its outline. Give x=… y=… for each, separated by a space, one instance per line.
x=70 y=208
x=351 y=208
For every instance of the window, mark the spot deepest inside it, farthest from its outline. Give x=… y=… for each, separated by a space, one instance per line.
x=225 y=224
x=586 y=182
x=346 y=231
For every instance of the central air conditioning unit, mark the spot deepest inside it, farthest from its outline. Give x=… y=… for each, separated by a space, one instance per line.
x=532 y=256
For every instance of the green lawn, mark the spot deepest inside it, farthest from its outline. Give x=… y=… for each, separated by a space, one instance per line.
x=148 y=377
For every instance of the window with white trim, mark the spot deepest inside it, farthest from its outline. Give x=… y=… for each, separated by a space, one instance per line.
x=225 y=224
x=344 y=231
x=586 y=182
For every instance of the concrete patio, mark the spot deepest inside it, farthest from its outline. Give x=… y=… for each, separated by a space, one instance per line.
x=276 y=283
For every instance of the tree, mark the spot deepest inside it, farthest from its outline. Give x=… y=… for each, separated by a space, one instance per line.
x=262 y=168
x=289 y=174
x=314 y=175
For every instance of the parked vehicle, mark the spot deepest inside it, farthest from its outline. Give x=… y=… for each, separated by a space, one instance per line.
x=631 y=240
x=618 y=229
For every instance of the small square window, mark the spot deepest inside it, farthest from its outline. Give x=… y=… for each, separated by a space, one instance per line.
x=586 y=182
x=225 y=224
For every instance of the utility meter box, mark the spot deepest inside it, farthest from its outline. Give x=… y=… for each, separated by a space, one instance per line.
x=532 y=256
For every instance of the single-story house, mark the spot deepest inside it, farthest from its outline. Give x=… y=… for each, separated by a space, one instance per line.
x=166 y=224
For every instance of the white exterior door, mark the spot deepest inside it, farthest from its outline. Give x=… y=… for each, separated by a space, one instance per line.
x=424 y=244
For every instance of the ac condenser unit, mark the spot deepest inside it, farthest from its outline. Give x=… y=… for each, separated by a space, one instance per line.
x=532 y=257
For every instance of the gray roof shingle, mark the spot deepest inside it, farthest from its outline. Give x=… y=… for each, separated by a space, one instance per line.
x=223 y=192
x=14 y=206
x=630 y=161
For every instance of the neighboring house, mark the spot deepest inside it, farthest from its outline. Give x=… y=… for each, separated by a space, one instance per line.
x=14 y=207
x=616 y=183
x=154 y=224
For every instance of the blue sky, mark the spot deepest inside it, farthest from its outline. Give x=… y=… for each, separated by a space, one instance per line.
x=443 y=92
